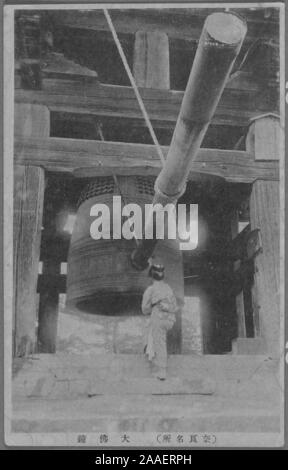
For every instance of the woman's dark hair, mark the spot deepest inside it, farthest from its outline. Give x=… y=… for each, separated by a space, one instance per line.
x=156 y=271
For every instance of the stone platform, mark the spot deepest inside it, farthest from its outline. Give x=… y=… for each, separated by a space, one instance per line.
x=114 y=392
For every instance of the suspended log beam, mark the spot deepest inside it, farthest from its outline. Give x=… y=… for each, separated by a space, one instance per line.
x=236 y=107
x=265 y=215
x=86 y=158
x=218 y=47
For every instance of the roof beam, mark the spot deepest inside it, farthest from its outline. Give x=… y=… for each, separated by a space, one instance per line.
x=236 y=107
x=86 y=158
x=176 y=23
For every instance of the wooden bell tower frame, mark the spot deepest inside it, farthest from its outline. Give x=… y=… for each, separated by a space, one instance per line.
x=36 y=153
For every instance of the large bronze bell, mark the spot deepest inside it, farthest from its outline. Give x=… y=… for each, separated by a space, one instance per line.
x=100 y=277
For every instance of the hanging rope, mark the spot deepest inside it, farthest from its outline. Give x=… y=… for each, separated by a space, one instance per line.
x=134 y=86
x=116 y=182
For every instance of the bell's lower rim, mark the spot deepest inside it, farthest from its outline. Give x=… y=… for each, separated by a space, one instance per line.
x=108 y=303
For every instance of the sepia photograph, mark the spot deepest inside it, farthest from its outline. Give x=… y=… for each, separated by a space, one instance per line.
x=144 y=224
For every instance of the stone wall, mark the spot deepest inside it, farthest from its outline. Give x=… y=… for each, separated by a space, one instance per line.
x=191 y=326
x=83 y=333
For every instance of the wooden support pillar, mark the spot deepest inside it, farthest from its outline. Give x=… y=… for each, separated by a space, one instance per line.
x=31 y=120
x=48 y=307
x=29 y=183
x=263 y=141
x=28 y=209
x=240 y=310
x=151 y=67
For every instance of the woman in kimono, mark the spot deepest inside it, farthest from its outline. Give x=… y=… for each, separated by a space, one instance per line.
x=159 y=302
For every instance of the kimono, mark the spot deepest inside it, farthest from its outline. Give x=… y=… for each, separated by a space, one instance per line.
x=159 y=301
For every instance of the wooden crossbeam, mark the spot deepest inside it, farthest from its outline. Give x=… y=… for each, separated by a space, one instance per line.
x=236 y=107
x=85 y=158
x=177 y=23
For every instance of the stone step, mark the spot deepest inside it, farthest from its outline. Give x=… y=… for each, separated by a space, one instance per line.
x=107 y=393
x=51 y=388
x=153 y=386
x=136 y=365
x=145 y=413
x=248 y=346
x=68 y=375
